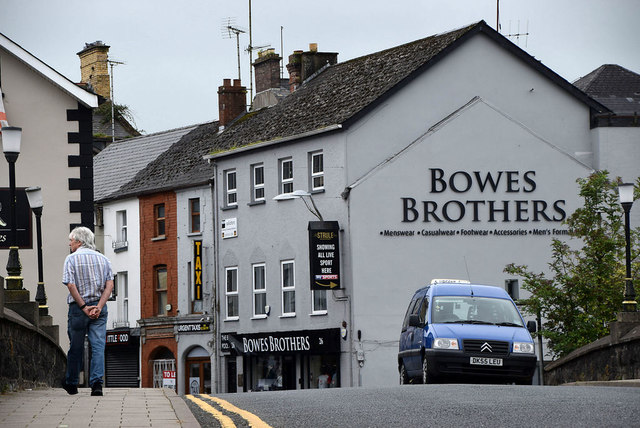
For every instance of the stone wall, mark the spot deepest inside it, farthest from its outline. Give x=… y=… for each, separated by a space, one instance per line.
x=28 y=357
x=614 y=357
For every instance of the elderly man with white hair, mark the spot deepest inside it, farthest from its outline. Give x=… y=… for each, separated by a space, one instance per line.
x=89 y=278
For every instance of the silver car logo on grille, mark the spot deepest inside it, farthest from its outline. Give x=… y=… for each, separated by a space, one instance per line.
x=486 y=347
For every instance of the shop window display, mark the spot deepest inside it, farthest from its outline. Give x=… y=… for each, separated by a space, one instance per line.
x=323 y=371
x=267 y=373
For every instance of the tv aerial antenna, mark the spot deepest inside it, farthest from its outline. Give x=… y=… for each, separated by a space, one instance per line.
x=111 y=63
x=229 y=30
x=518 y=34
x=250 y=49
x=515 y=35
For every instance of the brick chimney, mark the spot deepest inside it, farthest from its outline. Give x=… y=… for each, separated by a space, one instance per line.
x=232 y=100
x=94 y=68
x=294 y=69
x=302 y=65
x=267 y=68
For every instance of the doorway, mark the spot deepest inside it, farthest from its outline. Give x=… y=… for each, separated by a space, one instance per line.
x=198 y=372
x=232 y=373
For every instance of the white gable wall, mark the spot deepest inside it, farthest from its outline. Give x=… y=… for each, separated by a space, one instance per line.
x=617 y=150
x=388 y=269
x=479 y=67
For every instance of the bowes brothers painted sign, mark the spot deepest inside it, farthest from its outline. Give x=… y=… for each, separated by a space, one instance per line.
x=509 y=202
x=293 y=342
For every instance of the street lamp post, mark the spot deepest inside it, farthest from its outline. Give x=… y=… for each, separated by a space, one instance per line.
x=626 y=200
x=11 y=137
x=301 y=194
x=34 y=194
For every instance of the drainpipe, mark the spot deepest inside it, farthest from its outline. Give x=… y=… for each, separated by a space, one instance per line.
x=214 y=290
x=216 y=277
x=540 y=350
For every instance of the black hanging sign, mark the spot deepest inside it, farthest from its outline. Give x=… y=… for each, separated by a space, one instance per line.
x=23 y=220
x=324 y=255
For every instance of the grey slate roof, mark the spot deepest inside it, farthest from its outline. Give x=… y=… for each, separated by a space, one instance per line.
x=344 y=92
x=335 y=98
x=613 y=86
x=180 y=166
x=122 y=160
x=123 y=129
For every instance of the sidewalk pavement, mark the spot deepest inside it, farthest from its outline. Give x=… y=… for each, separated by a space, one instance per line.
x=119 y=407
x=628 y=382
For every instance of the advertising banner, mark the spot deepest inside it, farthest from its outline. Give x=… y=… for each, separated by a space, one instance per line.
x=324 y=255
x=197 y=269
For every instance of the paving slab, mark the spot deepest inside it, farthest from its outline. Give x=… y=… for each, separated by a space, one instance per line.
x=118 y=407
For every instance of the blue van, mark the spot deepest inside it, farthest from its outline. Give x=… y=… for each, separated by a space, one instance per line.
x=455 y=330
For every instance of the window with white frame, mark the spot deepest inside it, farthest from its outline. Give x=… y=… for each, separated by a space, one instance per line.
x=319 y=302
x=257 y=182
x=120 y=243
x=259 y=291
x=231 y=291
x=316 y=162
x=287 y=277
x=161 y=289
x=286 y=175
x=122 y=318
x=231 y=188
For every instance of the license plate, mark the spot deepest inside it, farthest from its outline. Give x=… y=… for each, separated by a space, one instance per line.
x=481 y=361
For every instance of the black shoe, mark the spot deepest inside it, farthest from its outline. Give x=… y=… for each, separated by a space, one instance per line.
x=96 y=389
x=71 y=389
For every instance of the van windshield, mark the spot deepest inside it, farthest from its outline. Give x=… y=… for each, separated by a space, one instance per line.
x=475 y=310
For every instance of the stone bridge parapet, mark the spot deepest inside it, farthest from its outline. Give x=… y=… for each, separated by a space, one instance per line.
x=613 y=357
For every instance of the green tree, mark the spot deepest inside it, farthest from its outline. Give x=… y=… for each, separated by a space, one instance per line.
x=586 y=286
x=119 y=111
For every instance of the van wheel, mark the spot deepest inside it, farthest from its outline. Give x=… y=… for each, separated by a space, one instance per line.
x=404 y=379
x=427 y=376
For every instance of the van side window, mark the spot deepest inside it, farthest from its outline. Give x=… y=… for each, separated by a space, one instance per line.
x=410 y=310
x=423 y=310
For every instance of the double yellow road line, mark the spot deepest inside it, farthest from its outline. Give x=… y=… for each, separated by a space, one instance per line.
x=226 y=421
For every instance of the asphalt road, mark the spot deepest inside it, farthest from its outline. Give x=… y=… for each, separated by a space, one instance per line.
x=438 y=406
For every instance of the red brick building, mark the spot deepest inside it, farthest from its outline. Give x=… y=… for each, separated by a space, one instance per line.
x=159 y=279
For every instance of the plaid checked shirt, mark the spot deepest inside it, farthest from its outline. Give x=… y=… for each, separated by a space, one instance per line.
x=89 y=271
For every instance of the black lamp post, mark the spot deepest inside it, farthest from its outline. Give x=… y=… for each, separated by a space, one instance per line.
x=11 y=137
x=626 y=200
x=34 y=194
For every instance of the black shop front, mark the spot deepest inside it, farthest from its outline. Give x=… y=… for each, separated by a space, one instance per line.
x=282 y=360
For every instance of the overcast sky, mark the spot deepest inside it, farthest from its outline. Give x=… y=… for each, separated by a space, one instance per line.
x=176 y=53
